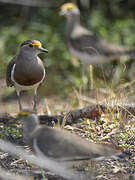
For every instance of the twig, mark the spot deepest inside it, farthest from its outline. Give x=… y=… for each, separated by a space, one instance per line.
x=74 y=116
x=32 y=3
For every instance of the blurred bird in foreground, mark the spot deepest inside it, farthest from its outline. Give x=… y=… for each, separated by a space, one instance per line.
x=88 y=47
x=61 y=145
x=26 y=70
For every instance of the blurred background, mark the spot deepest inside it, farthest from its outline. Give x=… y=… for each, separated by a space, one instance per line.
x=39 y=19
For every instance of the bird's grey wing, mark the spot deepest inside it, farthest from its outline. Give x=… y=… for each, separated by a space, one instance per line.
x=85 y=43
x=9 y=82
x=93 y=45
x=54 y=144
x=63 y=145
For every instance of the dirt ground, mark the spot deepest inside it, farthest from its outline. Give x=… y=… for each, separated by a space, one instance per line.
x=110 y=126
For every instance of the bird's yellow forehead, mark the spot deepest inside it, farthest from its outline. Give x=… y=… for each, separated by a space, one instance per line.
x=68 y=6
x=23 y=113
x=36 y=43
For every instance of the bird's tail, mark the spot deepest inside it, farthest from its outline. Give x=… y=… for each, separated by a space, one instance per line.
x=98 y=157
x=127 y=53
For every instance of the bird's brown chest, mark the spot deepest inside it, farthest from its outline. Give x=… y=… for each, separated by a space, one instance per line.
x=28 y=72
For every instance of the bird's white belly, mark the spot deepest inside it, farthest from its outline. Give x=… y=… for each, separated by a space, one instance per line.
x=21 y=87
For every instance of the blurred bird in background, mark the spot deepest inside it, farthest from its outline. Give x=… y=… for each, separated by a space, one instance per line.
x=88 y=47
x=61 y=145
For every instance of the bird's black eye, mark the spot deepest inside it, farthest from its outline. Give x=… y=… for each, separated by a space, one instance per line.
x=30 y=45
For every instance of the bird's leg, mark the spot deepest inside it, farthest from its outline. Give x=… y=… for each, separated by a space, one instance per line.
x=87 y=76
x=84 y=76
x=35 y=100
x=19 y=99
x=91 y=76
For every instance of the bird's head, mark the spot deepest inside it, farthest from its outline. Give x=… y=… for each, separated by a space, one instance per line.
x=28 y=117
x=32 y=47
x=69 y=9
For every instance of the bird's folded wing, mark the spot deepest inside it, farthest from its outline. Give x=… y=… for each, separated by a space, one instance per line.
x=9 y=82
x=63 y=145
x=93 y=45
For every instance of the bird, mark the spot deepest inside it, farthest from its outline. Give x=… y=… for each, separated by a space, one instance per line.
x=26 y=70
x=61 y=145
x=85 y=45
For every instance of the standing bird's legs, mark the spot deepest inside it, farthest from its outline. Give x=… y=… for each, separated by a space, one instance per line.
x=84 y=76
x=35 y=100
x=91 y=76
x=19 y=99
x=87 y=76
